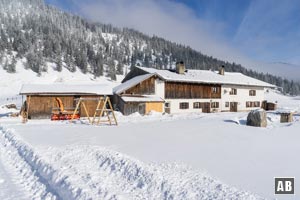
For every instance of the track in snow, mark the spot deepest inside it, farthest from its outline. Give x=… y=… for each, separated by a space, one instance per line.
x=20 y=179
x=91 y=172
x=8 y=188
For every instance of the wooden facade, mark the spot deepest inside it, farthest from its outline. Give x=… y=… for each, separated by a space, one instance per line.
x=41 y=106
x=146 y=87
x=269 y=105
x=91 y=106
x=286 y=117
x=177 y=90
x=143 y=108
x=155 y=106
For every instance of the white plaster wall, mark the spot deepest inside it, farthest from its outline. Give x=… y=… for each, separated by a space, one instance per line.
x=160 y=88
x=174 y=105
x=242 y=96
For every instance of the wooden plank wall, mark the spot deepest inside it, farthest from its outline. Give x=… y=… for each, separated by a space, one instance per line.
x=132 y=107
x=156 y=106
x=147 y=87
x=175 y=90
x=91 y=106
x=140 y=107
x=41 y=106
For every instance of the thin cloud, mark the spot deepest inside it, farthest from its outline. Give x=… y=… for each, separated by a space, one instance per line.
x=167 y=19
x=270 y=31
x=179 y=23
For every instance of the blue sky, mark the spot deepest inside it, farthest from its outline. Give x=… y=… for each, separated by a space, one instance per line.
x=234 y=30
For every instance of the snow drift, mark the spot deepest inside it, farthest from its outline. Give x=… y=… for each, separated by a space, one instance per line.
x=90 y=172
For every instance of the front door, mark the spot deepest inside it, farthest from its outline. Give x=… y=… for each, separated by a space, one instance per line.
x=168 y=107
x=142 y=108
x=205 y=107
x=233 y=106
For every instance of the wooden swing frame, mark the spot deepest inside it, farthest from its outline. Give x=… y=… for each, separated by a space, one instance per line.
x=26 y=112
x=101 y=110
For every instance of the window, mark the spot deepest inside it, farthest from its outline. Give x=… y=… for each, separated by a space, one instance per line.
x=233 y=91
x=256 y=104
x=252 y=92
x=226 y=104
x=184 y=105
x=215 y=104
x=197 y=105
x=214 y=90
x=250 y=104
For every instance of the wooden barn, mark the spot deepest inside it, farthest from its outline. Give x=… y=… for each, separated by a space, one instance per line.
x=41 y=99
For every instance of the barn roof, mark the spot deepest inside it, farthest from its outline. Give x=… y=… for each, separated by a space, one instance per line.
x=207 y=76
x=66 y=89
x=131 y=83
x=144 y=98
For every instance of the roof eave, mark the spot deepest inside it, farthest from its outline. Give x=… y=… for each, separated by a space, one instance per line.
x=218 y=83
x=61 y=93
x=124 y=89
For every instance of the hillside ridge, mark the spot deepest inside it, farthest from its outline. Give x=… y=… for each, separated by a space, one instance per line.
x=39 y=33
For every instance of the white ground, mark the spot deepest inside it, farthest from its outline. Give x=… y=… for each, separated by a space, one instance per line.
x=195 y=156
x=151 y=157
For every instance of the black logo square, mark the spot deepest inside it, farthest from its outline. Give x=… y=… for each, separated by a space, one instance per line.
x=285 y=185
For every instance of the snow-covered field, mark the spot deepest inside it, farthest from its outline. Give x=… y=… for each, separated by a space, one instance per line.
x=195 y=156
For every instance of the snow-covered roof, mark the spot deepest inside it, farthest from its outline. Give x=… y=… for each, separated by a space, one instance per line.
x=141 y=99
x=130 y=83
x=207 y=76
x=43 y=89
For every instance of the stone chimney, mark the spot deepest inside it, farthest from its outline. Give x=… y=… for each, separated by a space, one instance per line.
x=180 y=68
x=222 y=70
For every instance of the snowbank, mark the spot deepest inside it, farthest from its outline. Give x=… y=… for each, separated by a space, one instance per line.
x=90 y=172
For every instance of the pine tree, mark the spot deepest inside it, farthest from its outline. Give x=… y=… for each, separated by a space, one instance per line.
x=5 y=66
x=11 y=68
x=111 y=70
x=59 y=64
x=98 y=68
x=120 y=68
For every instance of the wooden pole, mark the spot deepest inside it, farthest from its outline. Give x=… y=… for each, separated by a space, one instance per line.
x=28 y=105
x=76 y=109
x=109 y=120
x=86 y=112
x=101 y=113
x=97 y=108
x=112 y=111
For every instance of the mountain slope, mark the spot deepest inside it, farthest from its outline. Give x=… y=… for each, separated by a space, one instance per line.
x=41 y=33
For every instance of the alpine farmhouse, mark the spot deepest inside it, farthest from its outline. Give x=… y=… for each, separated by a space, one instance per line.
x=182 y=91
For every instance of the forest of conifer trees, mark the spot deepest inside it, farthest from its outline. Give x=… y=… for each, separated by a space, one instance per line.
x=41 y=33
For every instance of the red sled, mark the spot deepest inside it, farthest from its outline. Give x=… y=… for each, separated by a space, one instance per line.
x=55 y=117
